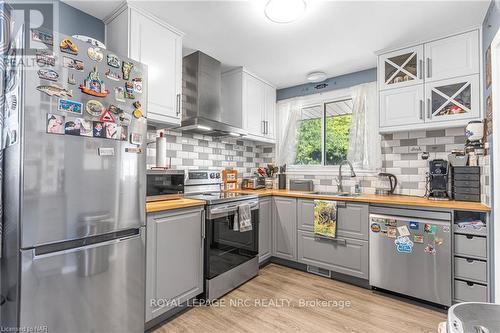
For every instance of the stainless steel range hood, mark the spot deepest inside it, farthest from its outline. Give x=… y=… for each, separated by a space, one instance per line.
x=202 y=109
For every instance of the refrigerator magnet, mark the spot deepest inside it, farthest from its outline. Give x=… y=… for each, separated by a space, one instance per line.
x=94 y=108
x=70 y=106
x=446 y=228
x=119 y=94
x=438 y=240
x=137 y=82
x=93 y=85
x=392 y=232
x=86 y=127
x=430 y=228
x=72 y=126
x=98 y=129
x=45 y=58
x=123 y=133
x=48 y=74
x=135 y=138
x=129 y=90
x=137 y=111
x=95 y=54
x=375 y=227
x=403 y=244
x=125 y=118
x=107 y=117
x=55 y=123
x=75 y=64
x=42 y=37
x=55 y=90
x=111 y=131
x=106 y=151
x=114 y=76
x=68 y=46
x=114 y=109
x=418 y=238
x=126 y=68
x=429 y=249
x=403 y=231
x=133 y=150
x=414 y=225
x=71 y=79
x=113 y=60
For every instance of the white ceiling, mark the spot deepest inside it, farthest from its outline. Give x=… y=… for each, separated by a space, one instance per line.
x=336 y=37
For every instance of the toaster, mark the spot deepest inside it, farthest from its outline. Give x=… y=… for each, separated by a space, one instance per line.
x=253 y=183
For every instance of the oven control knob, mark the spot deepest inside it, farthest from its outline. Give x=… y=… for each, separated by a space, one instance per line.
x=212 y=175
x=217 y=175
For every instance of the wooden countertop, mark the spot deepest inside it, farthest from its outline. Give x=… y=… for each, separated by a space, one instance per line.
x=403 y=200
x=157 y=206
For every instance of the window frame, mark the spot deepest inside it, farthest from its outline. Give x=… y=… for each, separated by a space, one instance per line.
x=322 y=104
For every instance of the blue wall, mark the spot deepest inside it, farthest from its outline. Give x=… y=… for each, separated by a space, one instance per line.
x=73 y=21
x=334 y=83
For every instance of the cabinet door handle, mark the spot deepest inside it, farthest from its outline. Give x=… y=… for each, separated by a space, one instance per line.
x=429 y=67
x=267 y=127
x=421 y=103
x=178 y=104
x=203 y=225
x=263 y=127
x=429 y=111
x=420 y=69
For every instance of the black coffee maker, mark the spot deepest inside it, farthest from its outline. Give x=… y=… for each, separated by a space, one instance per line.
x=437 y=180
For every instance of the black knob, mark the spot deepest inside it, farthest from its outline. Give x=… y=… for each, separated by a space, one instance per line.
x=217 y=175
x=212 y=175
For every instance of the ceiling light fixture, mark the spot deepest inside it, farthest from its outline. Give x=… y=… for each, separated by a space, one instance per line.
x=316 y=77
x=284 y=11
x=203 y=128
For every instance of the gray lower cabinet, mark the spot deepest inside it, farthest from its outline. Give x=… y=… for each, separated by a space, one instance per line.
x=285 y=228
x=265 y=228
x=174 y=259
x=352 y=218
x=348 y=253
x=344 y=255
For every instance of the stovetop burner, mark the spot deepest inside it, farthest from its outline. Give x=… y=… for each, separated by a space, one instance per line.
x=219 y=197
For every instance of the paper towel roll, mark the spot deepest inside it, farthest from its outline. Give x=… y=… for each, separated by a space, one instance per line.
x=161 y=151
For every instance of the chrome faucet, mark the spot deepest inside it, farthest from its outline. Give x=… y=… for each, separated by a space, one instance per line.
x=339 y=181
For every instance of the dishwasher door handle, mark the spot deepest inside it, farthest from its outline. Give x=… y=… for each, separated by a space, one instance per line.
x=410 y=219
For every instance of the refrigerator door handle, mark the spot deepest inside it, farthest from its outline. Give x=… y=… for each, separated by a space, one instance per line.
x=56 y=252
x=410 y=219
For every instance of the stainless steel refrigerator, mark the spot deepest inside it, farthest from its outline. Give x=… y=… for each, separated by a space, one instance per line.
x=74 y=200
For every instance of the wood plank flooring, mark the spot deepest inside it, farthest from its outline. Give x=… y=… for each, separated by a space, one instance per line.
x=369 y=311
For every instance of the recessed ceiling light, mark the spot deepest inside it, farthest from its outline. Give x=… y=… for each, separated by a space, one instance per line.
x=316 y=77
x=284 y=11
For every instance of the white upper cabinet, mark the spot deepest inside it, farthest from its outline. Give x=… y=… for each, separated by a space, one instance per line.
x=453 y=56
x=401 y=68
x=402 y=106
x=249 y=102
x=143 y=37
x=430 y=85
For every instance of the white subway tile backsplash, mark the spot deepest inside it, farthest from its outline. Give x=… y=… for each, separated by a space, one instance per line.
x=400 y=135
x=456 y=131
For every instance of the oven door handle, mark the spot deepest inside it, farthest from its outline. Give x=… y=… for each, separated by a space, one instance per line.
x=230 y=209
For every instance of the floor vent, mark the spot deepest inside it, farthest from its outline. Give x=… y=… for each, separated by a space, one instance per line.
x=319 y=271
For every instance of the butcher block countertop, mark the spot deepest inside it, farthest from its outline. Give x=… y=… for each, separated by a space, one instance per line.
x=403 y=200
x=158 y=206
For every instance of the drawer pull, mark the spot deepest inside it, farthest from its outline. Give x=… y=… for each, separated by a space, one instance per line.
x=469 y=236
x=470 y=284
x=470 y=261
x=340 y=241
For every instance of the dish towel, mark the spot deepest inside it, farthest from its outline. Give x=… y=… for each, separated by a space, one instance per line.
x=325 y=218
x=245 y=218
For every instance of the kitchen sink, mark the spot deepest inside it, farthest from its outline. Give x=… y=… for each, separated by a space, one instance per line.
x=337 y=194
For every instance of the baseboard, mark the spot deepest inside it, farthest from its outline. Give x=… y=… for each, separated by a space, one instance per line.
x=334 y=275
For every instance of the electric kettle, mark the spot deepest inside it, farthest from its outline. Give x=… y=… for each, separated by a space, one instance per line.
x=393 y=182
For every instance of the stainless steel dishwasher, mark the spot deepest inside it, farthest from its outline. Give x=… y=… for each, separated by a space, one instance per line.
x=410 y=252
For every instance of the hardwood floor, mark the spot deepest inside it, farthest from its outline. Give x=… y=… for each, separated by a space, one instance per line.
x=369 y=311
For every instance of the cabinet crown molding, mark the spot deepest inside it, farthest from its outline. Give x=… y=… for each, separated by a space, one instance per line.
x=127 y=5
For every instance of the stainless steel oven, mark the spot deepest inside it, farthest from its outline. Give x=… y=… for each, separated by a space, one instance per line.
x=164 y=184
x=225 y=248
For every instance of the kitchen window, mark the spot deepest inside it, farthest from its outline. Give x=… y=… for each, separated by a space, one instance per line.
x=323 y=133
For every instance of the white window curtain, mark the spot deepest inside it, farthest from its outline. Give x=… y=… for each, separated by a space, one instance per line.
x=364 y=141
x=289 y=115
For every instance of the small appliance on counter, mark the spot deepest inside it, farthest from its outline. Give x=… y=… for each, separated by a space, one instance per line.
x=393 y=182
x=253 y=183
x=164 y=184
x=282 y=178
x=437 y=180
x=474 y=132
x=302 y=185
